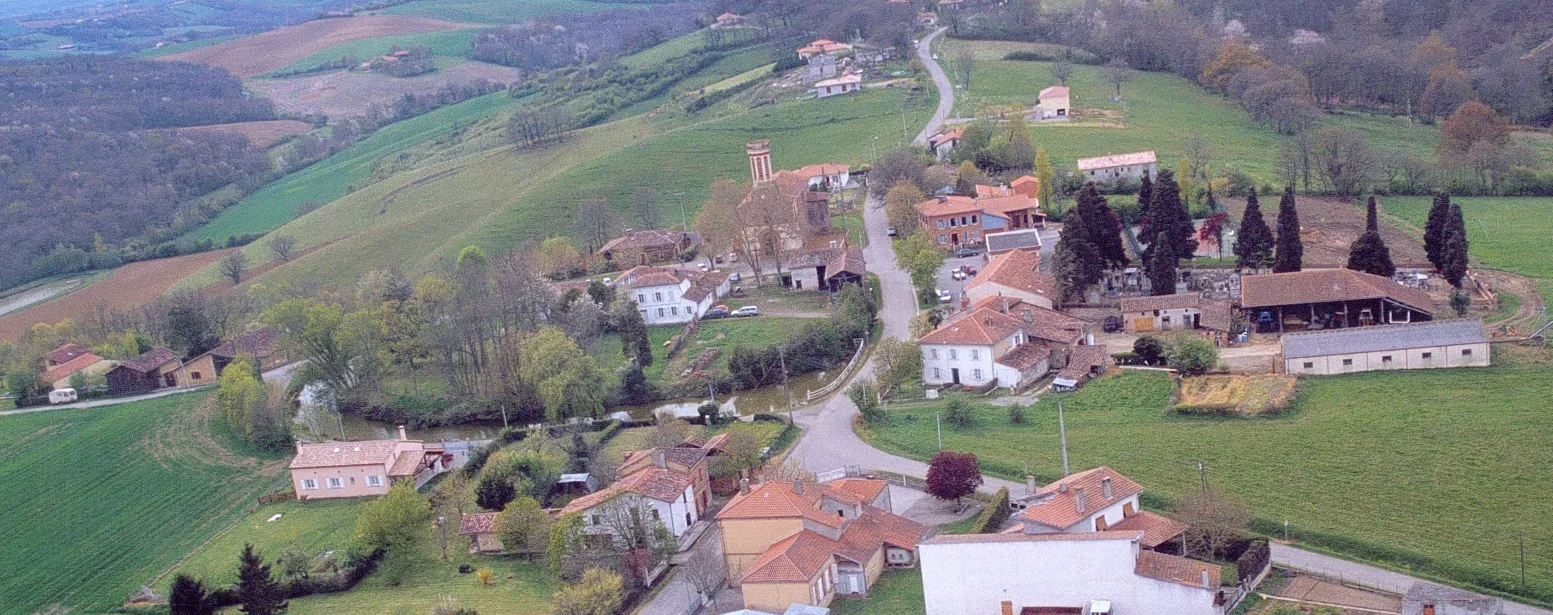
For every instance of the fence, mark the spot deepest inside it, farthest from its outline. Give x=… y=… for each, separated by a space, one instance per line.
x=841 y=378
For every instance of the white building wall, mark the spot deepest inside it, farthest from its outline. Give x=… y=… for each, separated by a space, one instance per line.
x=1412 y=358
x=968 y=359
x=975 y=578
x=662 y=305
x=806 y=278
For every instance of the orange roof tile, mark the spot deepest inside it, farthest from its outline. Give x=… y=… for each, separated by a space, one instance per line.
x=1177 y=569
x=477 y=523
x=652 y=482
x=1056 y=504
x=948 y=206
x=1044 y=323
x=331 y=454
x=981 y=327
x=865 y=488
x=66 y=353
x=80 y=362
x=1322 y=285
x=778 y=500
x=1053 y=92
x=825 y=168
x=796 y=558
x=1026 y=356
x=1018 y=270
x=984 y=191
x=1157 y=529
x=799 y=557
x=1007 y=203
x=1115 y=160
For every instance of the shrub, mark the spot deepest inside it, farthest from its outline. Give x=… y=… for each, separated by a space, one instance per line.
x=1149 y=350
x=993 y=516
x=1254 y=560
x=958 y=412
x=1016 y=414
x=1191 y=355
x=485 y=576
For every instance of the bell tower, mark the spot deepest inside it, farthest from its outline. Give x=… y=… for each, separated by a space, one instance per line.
x=760 y=160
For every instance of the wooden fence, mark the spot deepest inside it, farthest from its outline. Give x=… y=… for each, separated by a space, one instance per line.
x=841 y=378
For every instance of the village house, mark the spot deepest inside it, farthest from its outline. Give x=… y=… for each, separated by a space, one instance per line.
x=786 y=216
x=355 y=469
x=827 y=177
x=1179 y=312
x=669 y=296
x=805 y=543
x=728 y=20
x=927 y=19
x=1015 y=274
x=666 y=496
x=690 y=462
x=206 y=369
x=1430 y=599
x=646 y=247
x=69 y=360
x=1094 y=500
x=1084 y=363
x=820 y=68
x=845 y=84
x=953 y=221
x=1419 y=345
x=822 y=47
x=154 y=369
x=827 y=269
x=1118 y=167
x=871 y=55
x=1316 y=299
x=943 y=142
x=1051 y=103
x=481 y=530
x=1003 y=342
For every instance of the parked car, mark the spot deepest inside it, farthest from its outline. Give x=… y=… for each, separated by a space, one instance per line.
x=958 y=275
x=965 y=252
x=704 y=266
x=891 y=232
x=748 y=310
x=1112 y=324
x=944 y=296
x=720 y=311
x=734 y=277
x=62 y=396
x=968 y=270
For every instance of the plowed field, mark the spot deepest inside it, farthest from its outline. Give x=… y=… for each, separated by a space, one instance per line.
x=262 y=53
x=132 y=285
x=260 y=134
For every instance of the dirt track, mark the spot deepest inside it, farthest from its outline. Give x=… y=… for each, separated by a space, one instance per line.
x=132 y=285
x=268 y=51
x=1328 y=226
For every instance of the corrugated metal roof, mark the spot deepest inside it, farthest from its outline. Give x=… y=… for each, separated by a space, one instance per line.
x=1383 y=337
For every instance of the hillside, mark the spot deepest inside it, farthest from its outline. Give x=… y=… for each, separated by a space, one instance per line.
x=268 y=51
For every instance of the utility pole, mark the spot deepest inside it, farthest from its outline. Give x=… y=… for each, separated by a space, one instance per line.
x=904 y=138
x=782 y=356
x=874 y=161
x=937 y=422
x=504 y=416
x=340 y=417
x=1203 y=471
x=1062 y=433
x=684 y=222
x=1523 y=561
x=443 y=522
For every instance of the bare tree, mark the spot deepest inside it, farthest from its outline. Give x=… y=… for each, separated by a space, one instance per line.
x=1346 y=162
x=282 y=245
x=1199 y=155
x=1117 y=72
x=707 y=571
x=719 y=224
x=644 y=202
x=233 y=266
x=786 y=470
x=1213 y=520
x=594 y=223
x=1062 y=69
x=964 y=65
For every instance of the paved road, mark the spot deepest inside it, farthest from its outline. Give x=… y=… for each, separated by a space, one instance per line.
x=941 y=81
x=281 y=375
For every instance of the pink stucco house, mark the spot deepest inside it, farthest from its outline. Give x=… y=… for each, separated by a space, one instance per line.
x=357 y=469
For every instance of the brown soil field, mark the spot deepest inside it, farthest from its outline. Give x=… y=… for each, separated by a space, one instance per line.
x=268 y=51
x=1329 y=226
x=132 y=285
x=260 y=134
x=1247 y=395
x=343 y=93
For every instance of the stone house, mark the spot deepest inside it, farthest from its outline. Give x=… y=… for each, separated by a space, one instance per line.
x=328 y=470
x=1118 y=167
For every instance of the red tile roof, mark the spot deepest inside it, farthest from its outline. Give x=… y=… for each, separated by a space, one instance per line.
x=826 y=168
x=796 y=558
x=1083 y=362
x=683 y=456
x=981 y=327
x=70 y=367
x=1056 y=90
x=642 y=276
x=983 y=191
x=703 y=284
x=67 y=353
x=334 y=454
x=1026 y=356
x=778 y=500
x=1006 y=204
x=1018 y=270
x=1056 y=505
x=1157 y=529
x=1115 y=160
x=953 y=205
x=799 y=557
x=1046 y=324
x=652 y=482
x=648 y=238
x=1322 y=285
x=257 y=344
x=150 y=361
x=1177 y=569
x=865 y=488
x=477 y=523
x=1161 y=302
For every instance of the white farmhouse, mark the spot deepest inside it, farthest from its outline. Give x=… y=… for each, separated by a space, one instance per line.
x=850 y=82
x=1419 y=345
x=669 y=296
x=666 y=495
x=1001 y=340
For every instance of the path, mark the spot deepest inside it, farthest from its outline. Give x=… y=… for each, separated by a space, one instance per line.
x=1366 y=575
x=280 y=375
x=945 y=90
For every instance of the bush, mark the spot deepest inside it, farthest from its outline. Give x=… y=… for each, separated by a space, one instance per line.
x=1016 y=414
x=1254 y=560
x=992 y=517
x=768 y=418
x=1149 y=350
x=958 y=412
x=1191 y=354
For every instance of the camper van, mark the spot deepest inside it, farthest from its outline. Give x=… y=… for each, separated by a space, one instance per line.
x=62 y=396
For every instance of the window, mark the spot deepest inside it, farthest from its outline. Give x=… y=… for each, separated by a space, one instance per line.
x=1347 y=362
x=975 y=354
x=973 y=219
x=1309 y=365
x=1428 y=355
x=660 y=312
x=657 y=296
x=195 y=375
x=308 y=483
x=640 y=298
x=375 y=481
x=334 y=483
x=655 y=514
x=936 y=375
x=976 y=373
x=940 y=224
x=1466 y=352
x=595 y=519
x=1128 y=510
x=674 y=310
x=1100 y=524
x=943 y=238
x=934 y=353
x=952 y=353
x=1385 y=359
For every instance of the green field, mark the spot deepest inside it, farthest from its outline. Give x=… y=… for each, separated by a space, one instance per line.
x=324 y=525
x=189 y=46
x=1159 y=111
x=1443 y=485
x=498 y=11
x=99 y=501
x=444 y=44
x=1509 y=233
x=327 y=180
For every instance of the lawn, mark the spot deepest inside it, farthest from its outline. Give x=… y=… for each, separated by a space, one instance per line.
x=498 y=11
x=1159 y=111
x=852 y=223
x=897 y=592
x=448 y=43
x=331 y=178
x=319 y=526
x=99 y=501
x=1444 y=487
x=1509 y=233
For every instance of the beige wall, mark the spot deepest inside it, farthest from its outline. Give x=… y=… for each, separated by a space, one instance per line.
x=744 y=540
x=204 y=366
x=874 y=566
x=353 y=481
x=776 y=597
x=1413 y=358
x=94 y=373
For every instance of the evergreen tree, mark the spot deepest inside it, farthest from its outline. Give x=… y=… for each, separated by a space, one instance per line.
x=634 y=341
x=1453 y=255
x=1145 y=194
x=1168 y=216
x=256 y=589
x=1105 y=229
x=1254 y=246
x=1078 y=262
x=1369 y=253
x=1371 y=218
x=1435 y=228
x=1291 y=249
x=1161 y=266
x=186 y=596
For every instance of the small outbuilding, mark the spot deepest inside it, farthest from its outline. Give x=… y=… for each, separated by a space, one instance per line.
x=1118 y=167
x=1318 y=299
x=1421 y=345
x=1052 y=103
x=1431 y=599
x=481 y=530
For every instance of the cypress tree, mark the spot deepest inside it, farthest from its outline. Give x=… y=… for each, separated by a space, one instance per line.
x=1254 y=246
x=1145 y=195
x=1291 y=250
x=1435 y=229
x=1369 y=253
x=1167 y=215
x=1161 y=266
x=186 y=596
x=256 y=589
x=1453 y=255
x=1105 y=229
x=1077 y=263
x=1371 y=220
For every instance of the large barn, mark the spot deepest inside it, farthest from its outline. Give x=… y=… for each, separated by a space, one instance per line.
x=1319 y=299
x=1420 y=345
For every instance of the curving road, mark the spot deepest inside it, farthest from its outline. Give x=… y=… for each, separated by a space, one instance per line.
x=941 y=81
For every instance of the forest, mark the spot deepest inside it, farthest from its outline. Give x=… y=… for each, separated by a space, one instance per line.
x=81 y=171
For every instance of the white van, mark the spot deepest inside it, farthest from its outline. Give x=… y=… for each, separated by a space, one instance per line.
x=62 y=396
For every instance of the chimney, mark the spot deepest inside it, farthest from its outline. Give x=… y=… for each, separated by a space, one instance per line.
x=1062 y=487
x=1105 y=487
x=299 y=446
x=744 y=486
x=401 y=433
x=658 y=458
x=798 y=486
x=1030 y=484
x=1205 y=578
x=1004 y=304
x=760 y=160
x=943 y=199
x=1027 y=316
x=1078 y=498
x=1008 y=607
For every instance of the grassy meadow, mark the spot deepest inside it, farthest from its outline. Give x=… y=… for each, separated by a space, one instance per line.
x=1443 y=486
x=1159 y=111
x=1509 y=233
x=445 y=44
x=318 y=526
x=497 y=11
x=167 y=50
x=99 y=501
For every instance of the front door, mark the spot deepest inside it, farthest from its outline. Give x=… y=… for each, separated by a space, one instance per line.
x=954 y=238
x=1143 y=324
x=954 y=375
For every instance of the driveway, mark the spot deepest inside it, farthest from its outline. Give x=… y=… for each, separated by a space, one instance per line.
x=941 y=81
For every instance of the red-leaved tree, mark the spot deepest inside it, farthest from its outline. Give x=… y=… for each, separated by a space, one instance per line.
x=951 y=475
